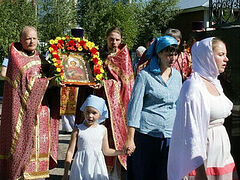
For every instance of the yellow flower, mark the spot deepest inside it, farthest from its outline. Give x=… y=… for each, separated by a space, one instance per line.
x=100 y=62
x=99 y=76
x=54 y=60
x=51 y=41
x=77 y=39
x=96 y=56
x=90 y=45
x=50 y=49
x=55 y=64
x=55 y=41
x=101 y=70
x=80 y=48
x=63 y=38
x=54 y=52
x=58 y=69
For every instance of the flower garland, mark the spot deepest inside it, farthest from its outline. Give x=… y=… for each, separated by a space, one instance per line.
x=68 y=45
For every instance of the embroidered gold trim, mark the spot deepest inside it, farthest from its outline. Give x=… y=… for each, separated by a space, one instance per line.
x=36 y=175
x=119 y=72
x=15 y=83
x=111 y=117
x=21 y=113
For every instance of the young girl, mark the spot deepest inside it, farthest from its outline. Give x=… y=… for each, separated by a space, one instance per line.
x=92 y=143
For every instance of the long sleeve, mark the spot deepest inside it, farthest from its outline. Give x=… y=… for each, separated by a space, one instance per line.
x=188 y=144
x=136 y=103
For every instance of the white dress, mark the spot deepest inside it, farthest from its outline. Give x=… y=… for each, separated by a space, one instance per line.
x=219 y=163
x=89 y=162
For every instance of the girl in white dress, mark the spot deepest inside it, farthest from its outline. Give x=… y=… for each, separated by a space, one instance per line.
x=92 y=143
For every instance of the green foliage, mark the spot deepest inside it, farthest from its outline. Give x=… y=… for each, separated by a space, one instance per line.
x=96 y=17
x=154 y=17
x=56 y=18
x=14 y=15
x=52 y=18
x=138 y=20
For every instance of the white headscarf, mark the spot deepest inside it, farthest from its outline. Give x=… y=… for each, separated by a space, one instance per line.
x=97 y=103
x=203 y=61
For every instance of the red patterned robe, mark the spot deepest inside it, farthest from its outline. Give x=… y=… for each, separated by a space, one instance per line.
x=29 y=124
x=118 y=90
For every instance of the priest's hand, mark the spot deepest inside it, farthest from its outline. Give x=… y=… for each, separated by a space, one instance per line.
x=96 y=86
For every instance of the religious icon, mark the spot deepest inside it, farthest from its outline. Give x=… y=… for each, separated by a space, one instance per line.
x=76 y=70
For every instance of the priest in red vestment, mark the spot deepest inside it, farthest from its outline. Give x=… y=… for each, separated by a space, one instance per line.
x=30 y=113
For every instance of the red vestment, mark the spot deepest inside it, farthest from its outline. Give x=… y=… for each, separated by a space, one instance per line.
x=29 y=124
x=118 y=89
x=184 y=65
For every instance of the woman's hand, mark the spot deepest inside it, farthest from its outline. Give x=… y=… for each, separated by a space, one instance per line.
x=96 y=86
x=129 y=146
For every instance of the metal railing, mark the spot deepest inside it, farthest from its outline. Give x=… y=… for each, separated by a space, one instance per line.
x=224 y=13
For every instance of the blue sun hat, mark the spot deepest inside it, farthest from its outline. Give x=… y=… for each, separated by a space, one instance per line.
x=97 y=103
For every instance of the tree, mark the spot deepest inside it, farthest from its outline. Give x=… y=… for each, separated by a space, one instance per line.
x=56 y=18
x=154 y=18
x=96 y=17
x=14 y=15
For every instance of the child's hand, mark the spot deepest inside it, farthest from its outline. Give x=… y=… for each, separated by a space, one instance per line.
x=122 y=152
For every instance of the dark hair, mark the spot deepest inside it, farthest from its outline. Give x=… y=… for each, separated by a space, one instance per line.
x=174 y=33
x=172 y=48
x=114 y=29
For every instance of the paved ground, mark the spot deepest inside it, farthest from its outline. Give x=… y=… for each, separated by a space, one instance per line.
x=56 y=174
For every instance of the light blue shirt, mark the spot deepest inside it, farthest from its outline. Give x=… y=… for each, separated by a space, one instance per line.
x=5 y=62
x=152 y=107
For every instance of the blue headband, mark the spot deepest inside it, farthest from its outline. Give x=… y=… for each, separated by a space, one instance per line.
x=97 y=103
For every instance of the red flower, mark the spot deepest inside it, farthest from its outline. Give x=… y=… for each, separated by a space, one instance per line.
x=58 y=61
x=85 y=47
x=97 y=71
x=95 y=60
x=72 y=42
x=59 y=46
x=56 y=56
x=82 y=43
x=93 y=51
x=60 y=42
x=54 y=47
